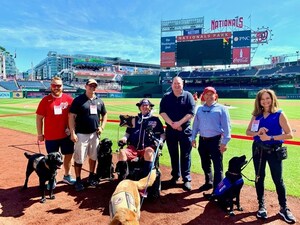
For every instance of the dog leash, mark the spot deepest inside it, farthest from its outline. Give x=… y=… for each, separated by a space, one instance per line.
x=244 y=168
x=38 y=144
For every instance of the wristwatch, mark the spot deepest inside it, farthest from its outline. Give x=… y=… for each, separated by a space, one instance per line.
x=272 y=138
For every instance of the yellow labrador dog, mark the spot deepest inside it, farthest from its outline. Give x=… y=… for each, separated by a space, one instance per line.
x=124 y=206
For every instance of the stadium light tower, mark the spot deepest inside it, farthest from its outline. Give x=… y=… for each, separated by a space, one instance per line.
x=3 y=66
x=297 y=53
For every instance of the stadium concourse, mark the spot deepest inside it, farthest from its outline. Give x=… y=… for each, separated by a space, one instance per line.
x=175 y=206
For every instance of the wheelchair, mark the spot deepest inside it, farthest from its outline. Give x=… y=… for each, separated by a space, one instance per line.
x=135 y=168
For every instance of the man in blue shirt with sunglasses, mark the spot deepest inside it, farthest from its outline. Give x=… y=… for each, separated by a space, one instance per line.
x=212 y=123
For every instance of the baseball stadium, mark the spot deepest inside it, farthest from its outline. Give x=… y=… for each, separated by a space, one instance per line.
x=220 y=57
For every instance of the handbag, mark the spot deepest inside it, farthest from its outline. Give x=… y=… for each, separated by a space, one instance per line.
x=281 y=152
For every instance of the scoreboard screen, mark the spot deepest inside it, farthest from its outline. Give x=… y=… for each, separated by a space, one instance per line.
x=204 y=52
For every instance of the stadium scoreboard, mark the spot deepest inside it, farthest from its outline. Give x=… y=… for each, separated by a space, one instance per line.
x=204 y=52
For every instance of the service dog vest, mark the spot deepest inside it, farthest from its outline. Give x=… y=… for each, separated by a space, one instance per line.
x=121 y=200
x=225 y=184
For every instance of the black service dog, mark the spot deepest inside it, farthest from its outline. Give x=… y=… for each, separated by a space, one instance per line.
x=46 y=168
x=105 y=168
x=230 y=187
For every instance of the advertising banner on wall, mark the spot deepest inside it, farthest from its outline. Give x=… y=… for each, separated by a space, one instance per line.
x=18 y=94
x=4 y=94
x=168 y=44
x=241 y=56
x=192 y=31
x=241 y=38
x=167 y=59
x=199 y=37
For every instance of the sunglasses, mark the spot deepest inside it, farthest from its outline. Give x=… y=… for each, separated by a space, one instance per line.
x=56 y=85
x=92 y=85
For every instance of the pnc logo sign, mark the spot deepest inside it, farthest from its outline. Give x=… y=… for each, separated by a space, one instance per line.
x=244 y=38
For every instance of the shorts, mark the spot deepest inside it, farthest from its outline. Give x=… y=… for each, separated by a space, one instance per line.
x=132 y=153
x=66 y=146
x=87 y=145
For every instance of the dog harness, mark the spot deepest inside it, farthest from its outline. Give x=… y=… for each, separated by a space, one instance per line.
x=121 y=200
x=36 y=161
x=225 y=184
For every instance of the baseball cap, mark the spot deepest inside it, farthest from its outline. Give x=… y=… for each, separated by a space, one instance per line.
x=207 y=89
x=144 y=102
x=91 y=81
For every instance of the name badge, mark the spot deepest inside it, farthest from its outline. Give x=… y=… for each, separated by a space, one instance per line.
x=255 y=126
x=57 y=110
x=93 y=109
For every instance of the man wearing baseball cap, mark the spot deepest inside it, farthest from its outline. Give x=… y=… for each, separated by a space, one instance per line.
x=140 y=144
x=91 y=81
x=87 y=120
x=212 y=123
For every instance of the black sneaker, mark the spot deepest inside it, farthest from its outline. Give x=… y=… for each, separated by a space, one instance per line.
x=92 y=181
x=205 y=187
x=287 y=215
x=173 y=181
x=78 y=186
x=187 y=186
x=262 y=213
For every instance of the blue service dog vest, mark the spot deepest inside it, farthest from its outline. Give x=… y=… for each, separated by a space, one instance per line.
x=225 y=184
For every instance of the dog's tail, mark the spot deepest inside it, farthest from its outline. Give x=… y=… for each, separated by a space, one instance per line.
x=27 y=155
x=146 y=181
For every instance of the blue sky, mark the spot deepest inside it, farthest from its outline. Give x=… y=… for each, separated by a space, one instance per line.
x=130 y=29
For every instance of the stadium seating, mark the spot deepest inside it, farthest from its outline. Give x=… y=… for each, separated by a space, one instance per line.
x=269 y=71
x=9 y=85
x=291 y=69
x=31 y=84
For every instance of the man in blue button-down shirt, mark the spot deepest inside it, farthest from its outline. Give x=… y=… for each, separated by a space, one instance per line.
x=212 y=122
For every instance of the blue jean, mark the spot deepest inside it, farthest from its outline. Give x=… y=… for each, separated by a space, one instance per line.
x=180 y=160
x=260 y=159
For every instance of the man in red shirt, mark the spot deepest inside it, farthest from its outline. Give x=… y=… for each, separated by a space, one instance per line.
x=52 y=125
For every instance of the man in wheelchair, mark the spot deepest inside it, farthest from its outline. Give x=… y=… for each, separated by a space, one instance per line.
x=144 y=134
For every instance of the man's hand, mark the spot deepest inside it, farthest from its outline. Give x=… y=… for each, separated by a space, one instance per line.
x=223 y=148
x=74 y=137
x=176 y=126
x=194 y=144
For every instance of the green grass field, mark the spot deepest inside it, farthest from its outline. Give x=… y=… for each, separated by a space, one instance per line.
x=240 y=113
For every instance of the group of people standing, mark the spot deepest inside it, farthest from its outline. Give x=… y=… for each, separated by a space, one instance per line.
x=79 y=123
x=74 y=126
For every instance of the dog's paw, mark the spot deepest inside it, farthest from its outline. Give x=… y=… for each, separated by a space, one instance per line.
x=43 y=200
x=240 y=208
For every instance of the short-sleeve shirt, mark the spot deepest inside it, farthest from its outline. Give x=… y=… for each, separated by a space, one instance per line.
x=177 y=107
x=55 y=112
x=88 y=112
